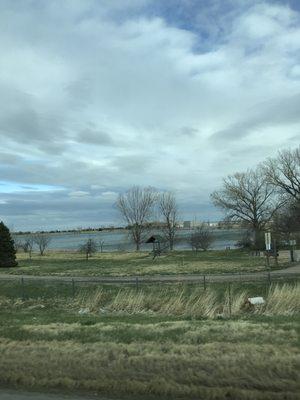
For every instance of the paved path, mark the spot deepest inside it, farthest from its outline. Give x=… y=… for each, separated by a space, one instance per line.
x=289 y=272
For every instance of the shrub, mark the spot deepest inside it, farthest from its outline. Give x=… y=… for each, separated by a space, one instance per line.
x=201 y=239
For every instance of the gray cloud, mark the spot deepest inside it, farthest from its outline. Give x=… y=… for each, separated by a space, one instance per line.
x=98 y=96
x=133 y=164
x=188 y=131
x=282 y=111
x=9 y=158
x=97 y=137
x=57 y=210
x=23 y=120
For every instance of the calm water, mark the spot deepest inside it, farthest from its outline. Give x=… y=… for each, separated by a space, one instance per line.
x=120 y=240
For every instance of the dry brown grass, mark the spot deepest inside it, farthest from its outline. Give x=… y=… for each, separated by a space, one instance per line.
x=151 y=342
x=175 y=300
x=281 y=300
x=70 y=263
x=208 y=370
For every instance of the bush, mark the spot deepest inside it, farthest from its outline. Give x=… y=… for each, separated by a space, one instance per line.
x=201 y=239
x=88 y=248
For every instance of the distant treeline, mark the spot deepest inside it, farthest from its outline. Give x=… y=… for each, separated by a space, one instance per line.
x=151 y=225
x=81 y=230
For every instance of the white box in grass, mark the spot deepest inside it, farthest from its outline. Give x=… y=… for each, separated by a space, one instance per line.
x=256 y=300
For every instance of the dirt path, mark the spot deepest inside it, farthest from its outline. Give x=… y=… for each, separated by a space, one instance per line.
x=289 y=272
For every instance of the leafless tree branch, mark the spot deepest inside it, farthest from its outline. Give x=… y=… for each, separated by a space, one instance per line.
x=248 y=197
x=169 y=211
x=283 y=172
x=136 y=208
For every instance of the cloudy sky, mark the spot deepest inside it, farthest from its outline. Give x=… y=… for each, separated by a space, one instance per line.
x=100 y=95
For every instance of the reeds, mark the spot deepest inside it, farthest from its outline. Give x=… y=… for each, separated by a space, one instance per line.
x=280 y=300
x=91 y=301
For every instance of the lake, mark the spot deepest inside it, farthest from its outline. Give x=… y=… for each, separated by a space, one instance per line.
x=119 y=240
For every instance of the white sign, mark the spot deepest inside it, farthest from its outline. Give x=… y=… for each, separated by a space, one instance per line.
x=292 y=242
x=268 y=240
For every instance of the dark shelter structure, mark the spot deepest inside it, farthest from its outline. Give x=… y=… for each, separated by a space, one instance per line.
x=156 y=242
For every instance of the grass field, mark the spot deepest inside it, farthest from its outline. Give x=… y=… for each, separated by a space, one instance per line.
x=168 y=341
x=137 y=264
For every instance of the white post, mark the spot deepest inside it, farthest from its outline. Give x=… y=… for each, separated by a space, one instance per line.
x=268 y=241
x=268 y=246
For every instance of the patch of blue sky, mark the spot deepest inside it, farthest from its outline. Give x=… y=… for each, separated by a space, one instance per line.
x=209 y=20
x=13 y=187
x=294 y=4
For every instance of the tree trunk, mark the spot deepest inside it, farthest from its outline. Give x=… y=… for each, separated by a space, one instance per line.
x=256 y=232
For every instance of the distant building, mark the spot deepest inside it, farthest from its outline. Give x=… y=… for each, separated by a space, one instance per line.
x=197 y=224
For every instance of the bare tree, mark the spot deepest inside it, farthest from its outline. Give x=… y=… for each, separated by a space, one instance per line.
x=202 y=238
x=42 y=240
x=286 y=221
x=18 y=244
x=136 y=208
x=283 y=172
x=28 y=245
x=101 y=245
x=248 y=198
x=88 y=248
x=169 y=211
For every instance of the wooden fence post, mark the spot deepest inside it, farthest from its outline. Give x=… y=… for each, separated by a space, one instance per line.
x=73 y=287
x=22 y=288
x=275 y=253
x=267 y=259
x=229 y=299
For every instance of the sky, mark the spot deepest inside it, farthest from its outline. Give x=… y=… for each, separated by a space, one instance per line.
x=97 y=96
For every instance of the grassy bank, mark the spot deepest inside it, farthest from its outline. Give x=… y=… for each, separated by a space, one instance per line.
x=173 y=341
x=126 y=264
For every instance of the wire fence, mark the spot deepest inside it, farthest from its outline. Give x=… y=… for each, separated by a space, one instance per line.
x=23 y=283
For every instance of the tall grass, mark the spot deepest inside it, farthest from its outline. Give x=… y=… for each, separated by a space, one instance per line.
x=280 y=300
x=92 y=301
x=156 y=355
